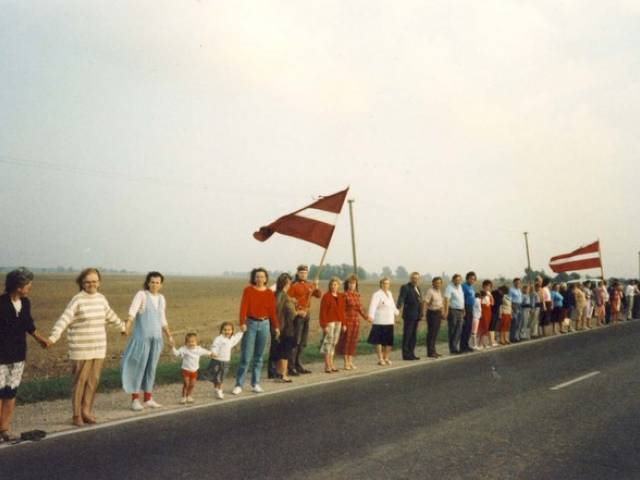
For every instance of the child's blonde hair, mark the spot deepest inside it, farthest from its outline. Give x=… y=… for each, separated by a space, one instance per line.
x=190 y=335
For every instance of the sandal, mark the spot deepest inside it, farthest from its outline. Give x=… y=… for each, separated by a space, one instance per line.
x=334 y=370
x=7 y=436
x=328 y=370
x=381 y=362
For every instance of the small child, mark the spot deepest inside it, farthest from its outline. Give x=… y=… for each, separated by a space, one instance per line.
x=221 y=352
x=190 y=353
x=477 y=314
x=505 y=316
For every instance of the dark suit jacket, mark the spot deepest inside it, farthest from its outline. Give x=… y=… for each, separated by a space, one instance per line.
x=410 y=301
x=13 y=330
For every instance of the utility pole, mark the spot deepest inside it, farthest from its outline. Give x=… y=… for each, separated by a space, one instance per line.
x=353 y=236
x=526 y=243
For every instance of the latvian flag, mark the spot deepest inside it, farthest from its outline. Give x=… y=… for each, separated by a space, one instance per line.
x=314 y=223
x=580 y=259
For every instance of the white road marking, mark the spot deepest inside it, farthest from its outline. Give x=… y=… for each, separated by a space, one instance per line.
x=575 y=380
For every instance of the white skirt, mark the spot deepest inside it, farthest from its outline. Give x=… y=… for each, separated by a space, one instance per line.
x=11 y=375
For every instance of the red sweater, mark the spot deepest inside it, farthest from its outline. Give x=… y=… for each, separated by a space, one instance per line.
x=258 y=304
x=331 y=309
x=302 y=292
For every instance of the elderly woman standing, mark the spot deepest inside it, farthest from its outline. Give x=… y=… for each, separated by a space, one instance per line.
x=382 y=309
x=331 y=320
x=141 y=355
x=15 y=323
x=85 y=318
x=286 y=311
x=351 y=326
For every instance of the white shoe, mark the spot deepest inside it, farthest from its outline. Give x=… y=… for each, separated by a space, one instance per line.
x=190 y=399
x=236 y=391
x=257 y=389
x=136 y=406
x=151 y=403
x=219 y=394
x=183 y=400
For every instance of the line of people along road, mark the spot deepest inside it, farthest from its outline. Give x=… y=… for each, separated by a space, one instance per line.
x=477 y=318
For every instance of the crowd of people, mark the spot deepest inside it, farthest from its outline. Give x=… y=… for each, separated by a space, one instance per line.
x=477 y=318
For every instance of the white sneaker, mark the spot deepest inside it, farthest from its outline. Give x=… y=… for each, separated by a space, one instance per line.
x=237 y=390
x=257 y=389
x=183 y=400
x=136 y=406
x=190 y=399
x=151 y=403
x=219 y=394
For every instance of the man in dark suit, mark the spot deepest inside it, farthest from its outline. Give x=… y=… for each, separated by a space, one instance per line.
x=410 y=301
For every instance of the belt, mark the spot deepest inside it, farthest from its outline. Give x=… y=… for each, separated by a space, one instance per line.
x=258 y=319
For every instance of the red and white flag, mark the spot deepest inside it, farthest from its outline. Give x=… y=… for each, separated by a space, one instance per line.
x=581 y=259
x=314 y=223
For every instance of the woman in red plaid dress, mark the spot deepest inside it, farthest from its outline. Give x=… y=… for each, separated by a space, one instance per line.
x=351 y=328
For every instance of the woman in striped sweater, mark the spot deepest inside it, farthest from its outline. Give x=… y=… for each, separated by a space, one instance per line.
x=85 y=318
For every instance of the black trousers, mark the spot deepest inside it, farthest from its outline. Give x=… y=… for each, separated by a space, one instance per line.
x=272 y=365
x=466 y=329
x=434 y=318
x=301 y=333
x=409 y=337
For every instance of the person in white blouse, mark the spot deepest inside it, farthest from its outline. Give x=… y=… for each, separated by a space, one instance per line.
x=383 y=310
x=142 y=352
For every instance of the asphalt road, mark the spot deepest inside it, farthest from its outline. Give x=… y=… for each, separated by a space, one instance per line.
x=488 y=415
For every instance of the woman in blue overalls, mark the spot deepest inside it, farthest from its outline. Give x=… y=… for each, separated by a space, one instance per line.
x=143 y=351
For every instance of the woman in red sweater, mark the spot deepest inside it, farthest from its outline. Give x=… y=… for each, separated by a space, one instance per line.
x=331 y=320
x=257 y=311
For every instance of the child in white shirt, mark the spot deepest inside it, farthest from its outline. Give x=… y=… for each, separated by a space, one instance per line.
x=221 y=352
x=190 y=353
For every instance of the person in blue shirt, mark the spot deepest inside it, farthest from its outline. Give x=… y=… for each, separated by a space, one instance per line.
x=454 y=312
x=469 y=301
x=515 y=294
x=556 y=314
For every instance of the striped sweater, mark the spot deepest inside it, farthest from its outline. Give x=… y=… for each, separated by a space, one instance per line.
x=85 y=318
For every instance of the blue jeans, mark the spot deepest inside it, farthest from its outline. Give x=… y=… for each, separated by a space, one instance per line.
x=516 y=322
x=252 y=347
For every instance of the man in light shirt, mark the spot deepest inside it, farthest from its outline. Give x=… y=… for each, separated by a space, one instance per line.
x=454 y=312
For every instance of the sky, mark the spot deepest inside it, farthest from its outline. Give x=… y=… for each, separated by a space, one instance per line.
x=160 y=134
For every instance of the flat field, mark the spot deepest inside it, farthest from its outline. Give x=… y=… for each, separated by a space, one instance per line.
x=198 y=304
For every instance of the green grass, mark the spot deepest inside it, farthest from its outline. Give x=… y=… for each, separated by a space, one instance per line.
x=168 y=373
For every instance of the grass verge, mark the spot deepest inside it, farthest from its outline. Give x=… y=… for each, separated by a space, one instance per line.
x=167 y=373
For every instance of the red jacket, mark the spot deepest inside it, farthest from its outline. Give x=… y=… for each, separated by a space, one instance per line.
x=331 y=309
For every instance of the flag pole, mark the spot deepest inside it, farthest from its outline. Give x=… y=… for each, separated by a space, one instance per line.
x=526 y=243
x=324 y=255
x=601 y=263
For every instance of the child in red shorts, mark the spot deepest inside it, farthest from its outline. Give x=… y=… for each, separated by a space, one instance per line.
x=190 y=354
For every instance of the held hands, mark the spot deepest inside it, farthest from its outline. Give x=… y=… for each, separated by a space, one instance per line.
x=243 y=328
x=172 y=343
x=370 y=319
x=277 y=333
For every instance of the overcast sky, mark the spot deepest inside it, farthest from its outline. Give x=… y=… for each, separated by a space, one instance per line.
x=161 y=134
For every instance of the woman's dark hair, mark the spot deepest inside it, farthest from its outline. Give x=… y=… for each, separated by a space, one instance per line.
x=151 y=275
x=487 y=283
x=351 y=278
x=282 y=280
x=18 y=278
x=252 y=278
x=224 y=324
x=546 y=282
x=86 y=272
